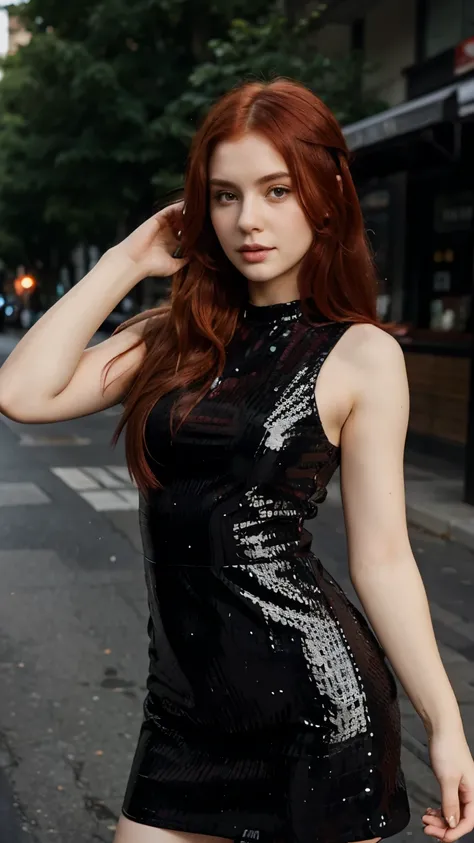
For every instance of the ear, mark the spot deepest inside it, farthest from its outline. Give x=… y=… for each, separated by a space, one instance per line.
x=339 y=179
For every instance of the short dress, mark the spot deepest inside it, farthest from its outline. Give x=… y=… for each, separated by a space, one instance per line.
x=271 y=712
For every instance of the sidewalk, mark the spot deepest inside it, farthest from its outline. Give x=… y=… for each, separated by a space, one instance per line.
x=435 y=503
x=434 y=498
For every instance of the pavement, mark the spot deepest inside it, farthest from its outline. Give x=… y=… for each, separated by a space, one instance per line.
x=434 y=498
x=73 y=615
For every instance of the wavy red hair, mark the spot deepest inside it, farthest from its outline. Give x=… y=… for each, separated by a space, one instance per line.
x=186 y=337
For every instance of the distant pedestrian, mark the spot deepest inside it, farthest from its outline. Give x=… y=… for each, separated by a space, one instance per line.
x=271 y=714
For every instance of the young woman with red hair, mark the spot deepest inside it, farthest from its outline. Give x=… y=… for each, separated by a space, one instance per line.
x=271 y=712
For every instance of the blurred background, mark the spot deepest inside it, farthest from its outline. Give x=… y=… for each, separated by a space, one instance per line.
x=98 y=102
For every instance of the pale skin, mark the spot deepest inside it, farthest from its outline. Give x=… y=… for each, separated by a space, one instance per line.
x=363 y=402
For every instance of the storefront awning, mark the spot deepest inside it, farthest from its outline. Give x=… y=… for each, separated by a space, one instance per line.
x=410 y=116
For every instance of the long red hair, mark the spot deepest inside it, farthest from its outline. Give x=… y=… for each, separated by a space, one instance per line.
x=186 y=340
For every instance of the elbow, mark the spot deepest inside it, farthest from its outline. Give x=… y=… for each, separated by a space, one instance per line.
x=388 y=561
x=11 y=410
x=13 y=406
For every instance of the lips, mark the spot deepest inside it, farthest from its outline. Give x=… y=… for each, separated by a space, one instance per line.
x=255 y=254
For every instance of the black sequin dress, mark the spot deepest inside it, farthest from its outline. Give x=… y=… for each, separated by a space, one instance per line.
x=271 y=713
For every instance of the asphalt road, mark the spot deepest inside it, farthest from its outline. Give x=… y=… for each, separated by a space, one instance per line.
x=73 y=645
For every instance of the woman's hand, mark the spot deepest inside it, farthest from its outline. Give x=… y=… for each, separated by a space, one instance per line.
x=152 y=245
x=453 y=766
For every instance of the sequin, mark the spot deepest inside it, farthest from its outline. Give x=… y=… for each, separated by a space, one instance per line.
x=271 y=714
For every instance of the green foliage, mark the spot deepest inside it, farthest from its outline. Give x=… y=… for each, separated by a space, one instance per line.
x=263 y=51
x=97 y=112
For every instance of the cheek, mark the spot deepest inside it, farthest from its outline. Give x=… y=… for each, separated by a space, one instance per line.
x=297 y=231
x=220 y=224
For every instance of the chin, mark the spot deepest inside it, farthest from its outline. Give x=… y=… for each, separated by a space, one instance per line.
x=258 y=272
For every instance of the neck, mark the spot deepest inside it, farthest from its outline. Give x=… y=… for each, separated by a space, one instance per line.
x=261 y=297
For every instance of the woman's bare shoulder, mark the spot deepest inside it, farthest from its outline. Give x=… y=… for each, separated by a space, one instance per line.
x=372 y=350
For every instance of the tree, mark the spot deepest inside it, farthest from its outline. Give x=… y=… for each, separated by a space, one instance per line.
x=272 y=47
x=96 y=113
x=78 y=108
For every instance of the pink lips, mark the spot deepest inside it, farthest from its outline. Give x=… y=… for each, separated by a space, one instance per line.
x=255 y=253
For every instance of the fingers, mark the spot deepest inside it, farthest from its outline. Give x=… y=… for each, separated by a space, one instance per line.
x=173 y=209
x=433 y=816
x=450 y=800
x=436 y=826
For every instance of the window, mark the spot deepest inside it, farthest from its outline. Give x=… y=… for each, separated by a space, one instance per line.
x=446 y=24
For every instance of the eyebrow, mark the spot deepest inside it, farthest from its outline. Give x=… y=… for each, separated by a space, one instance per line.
x=282 y=174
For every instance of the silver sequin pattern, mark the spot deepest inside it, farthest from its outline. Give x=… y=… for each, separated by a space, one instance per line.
x=293 y=404
x=252 y=535
x=324 y=645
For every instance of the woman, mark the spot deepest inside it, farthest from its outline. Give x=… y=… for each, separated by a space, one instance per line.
x=271 y=713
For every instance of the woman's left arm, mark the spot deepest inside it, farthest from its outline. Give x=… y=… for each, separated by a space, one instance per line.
x=385 y=574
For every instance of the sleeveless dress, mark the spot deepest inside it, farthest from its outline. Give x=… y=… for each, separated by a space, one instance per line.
x=271 y=713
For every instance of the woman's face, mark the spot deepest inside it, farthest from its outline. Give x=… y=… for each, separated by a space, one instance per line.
x=253 y=202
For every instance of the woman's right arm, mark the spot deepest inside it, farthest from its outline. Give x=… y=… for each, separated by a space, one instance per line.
x=51 y=375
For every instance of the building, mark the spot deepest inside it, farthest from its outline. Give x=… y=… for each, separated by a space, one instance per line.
x=18 y=36
x=414 y=169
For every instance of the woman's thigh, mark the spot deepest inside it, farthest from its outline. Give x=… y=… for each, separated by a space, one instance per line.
x=372 y=840
x=130 y=832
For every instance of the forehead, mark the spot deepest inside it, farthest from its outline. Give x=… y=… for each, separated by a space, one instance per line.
x=245 y=159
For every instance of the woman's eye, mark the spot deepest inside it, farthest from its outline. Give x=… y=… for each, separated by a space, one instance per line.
x=282 y=191
x=225 y=196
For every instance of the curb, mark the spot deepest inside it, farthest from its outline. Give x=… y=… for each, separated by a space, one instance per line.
x=452 y=521
x=452 y=528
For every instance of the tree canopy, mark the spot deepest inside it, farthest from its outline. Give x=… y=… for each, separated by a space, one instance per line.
x=97 y=111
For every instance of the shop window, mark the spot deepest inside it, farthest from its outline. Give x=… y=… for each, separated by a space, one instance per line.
x=376 y=208
x=451 y=261
x=446 y=24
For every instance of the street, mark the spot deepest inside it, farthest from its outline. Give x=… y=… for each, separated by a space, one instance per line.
x=73 y=644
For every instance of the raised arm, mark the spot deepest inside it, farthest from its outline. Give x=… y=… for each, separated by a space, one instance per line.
x=51 y=375
x=383 y=569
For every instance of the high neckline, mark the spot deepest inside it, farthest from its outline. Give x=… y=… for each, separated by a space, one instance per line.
x=281 y=312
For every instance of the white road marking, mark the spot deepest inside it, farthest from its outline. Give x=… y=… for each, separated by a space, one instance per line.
x=120 y=471
x=105 y=500
x=75 y=478
x=129 y=495
x=105 y=488
x=34 y=440
x=104 y=477
x=22 y=494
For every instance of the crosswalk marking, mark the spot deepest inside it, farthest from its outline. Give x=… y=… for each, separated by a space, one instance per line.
x=75 y=478
x=121 y=471
x=107 y=501
x=105 y=478
x=129 y=495
x=36 y=440
x=22 y=494
x=105 y=488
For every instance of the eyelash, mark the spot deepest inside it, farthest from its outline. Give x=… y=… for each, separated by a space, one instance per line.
x=218 y=196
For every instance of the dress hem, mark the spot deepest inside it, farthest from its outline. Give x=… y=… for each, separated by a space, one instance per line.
x=283 y=838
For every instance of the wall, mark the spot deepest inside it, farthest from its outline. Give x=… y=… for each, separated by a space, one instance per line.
x=390 y=43
x=334 y=40
x=18 y=35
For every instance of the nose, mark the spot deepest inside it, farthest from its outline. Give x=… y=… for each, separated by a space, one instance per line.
x=250 y=216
